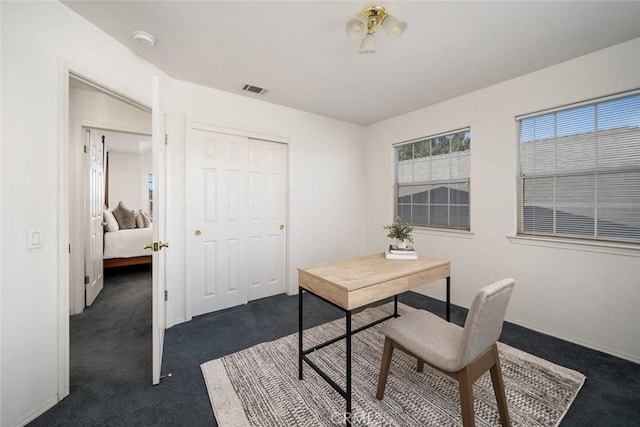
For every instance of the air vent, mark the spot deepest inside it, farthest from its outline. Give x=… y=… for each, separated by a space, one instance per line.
x=254 y=89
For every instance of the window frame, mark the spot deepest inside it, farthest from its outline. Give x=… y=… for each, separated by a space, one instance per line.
x=595 y=172
x=431 y=183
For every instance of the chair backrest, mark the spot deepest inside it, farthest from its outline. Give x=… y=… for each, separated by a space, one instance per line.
x=484 y=321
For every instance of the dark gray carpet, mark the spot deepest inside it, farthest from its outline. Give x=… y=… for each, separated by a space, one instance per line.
x=111 y=359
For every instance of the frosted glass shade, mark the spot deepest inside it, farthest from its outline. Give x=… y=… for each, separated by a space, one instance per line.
x=355 y=29
x=368 y=44
x=393 y=27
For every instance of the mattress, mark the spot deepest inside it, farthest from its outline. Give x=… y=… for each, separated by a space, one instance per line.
x=127 y=243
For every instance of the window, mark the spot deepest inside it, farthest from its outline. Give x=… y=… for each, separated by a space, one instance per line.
x=150 y=188
x=580 y=172
x=432 y=181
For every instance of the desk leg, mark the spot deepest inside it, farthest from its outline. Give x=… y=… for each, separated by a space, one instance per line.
x=300 y=361
x=448 y=299
x=395 y=306
x=348 y=355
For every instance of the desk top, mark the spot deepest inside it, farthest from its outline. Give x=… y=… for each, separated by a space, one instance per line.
x=358 y=281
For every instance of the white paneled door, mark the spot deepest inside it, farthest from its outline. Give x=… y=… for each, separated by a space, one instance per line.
x=235 y=220
x=94 y=278
x=267 y=202
x=159 y=245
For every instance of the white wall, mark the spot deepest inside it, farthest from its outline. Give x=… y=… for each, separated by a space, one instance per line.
x=326 y=178
x=37 y=39
x=126 y=178
x=576 y=292
x=326 y=175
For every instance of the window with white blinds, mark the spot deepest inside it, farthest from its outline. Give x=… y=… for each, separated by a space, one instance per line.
x=580 y=172
x=432 y=181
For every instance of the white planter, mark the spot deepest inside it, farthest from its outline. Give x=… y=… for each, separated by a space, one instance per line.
x=401 y=244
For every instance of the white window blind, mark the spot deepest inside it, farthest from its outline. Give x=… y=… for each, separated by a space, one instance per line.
x=432 y=181
x=580 y=172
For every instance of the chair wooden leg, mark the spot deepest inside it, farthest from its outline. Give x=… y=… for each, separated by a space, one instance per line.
x=420 y=366
x=384 y=368
x=465 y=383
x=498 y=388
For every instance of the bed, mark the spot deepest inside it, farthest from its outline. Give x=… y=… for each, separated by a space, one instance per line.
x=126 y=247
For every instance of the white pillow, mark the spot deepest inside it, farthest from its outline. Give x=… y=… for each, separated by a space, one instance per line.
x=110 y=221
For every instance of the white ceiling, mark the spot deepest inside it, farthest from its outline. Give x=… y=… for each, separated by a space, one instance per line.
x=298 y=50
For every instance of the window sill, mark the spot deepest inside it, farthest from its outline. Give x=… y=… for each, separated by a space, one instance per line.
x=461 y=234
x=577 y=245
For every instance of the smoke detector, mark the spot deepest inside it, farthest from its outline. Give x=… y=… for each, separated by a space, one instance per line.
x=144 y=38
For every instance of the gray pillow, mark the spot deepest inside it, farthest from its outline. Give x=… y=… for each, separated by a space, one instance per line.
x=126 y=217
x=142 y=219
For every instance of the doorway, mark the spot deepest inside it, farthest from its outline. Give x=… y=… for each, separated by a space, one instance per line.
x=90 y=106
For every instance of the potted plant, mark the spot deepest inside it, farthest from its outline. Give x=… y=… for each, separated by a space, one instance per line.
x=400 y=231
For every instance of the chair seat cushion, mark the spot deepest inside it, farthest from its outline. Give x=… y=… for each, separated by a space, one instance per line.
x=429 y=337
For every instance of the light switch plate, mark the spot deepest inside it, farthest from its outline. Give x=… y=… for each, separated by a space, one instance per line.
x=34 y=238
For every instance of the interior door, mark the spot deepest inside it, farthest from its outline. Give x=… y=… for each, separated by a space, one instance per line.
x=236 y=202
x=94 y=278
x=217 y=221
x=267 y=207
x=159 y=244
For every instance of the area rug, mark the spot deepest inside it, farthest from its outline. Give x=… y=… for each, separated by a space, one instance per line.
x=259 y=386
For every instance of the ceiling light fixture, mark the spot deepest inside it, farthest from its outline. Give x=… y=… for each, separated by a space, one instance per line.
x=363 y=28
x=144 y=38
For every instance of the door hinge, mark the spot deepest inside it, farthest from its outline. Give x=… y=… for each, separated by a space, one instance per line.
x=86 y=280
x=85 y=149
x=166 y=295
x=69 y=247
x=166 y=139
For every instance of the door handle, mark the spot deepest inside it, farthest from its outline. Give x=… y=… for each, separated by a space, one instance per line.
x=281 y=226
x=156 y=246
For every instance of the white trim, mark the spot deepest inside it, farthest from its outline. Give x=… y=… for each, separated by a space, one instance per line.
x=437 y=135
x=577 y=245
x=587 y=344
x=446 y=232
x=63 y=229
x=0 y=211
x=590 y=101
x=231 y=129
x=35 y=413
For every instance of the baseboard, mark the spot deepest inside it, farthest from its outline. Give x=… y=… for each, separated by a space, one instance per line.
x=178 y=321
x=35 y=414
x=587 y=344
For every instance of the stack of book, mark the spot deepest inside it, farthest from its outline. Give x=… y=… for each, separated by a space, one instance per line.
x=394 y=252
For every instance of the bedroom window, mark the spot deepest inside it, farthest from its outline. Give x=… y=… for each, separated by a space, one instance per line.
x=579 y=171
x=150 y=187
x=432 y=180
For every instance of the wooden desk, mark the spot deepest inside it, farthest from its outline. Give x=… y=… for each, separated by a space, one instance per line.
x=353 y=283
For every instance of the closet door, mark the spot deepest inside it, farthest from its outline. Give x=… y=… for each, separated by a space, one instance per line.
x=235 y=244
